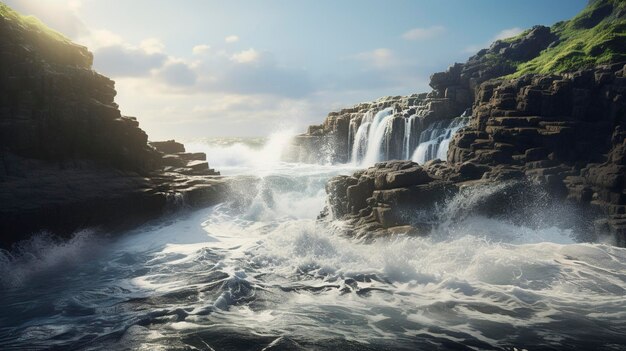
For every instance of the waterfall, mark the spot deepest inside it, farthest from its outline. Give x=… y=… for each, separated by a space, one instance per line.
x=367 y=146
x=372 y=140
x=359 y=145
x=407 y=142
x=352 y=129
x=378 y=135
x=435 y=140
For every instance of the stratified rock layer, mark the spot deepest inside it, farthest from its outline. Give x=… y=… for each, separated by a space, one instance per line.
x=540 y=138
x=453 y=93
x=68 y=158
x=560 y=135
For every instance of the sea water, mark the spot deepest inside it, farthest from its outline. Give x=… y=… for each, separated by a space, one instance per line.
x=259 y=272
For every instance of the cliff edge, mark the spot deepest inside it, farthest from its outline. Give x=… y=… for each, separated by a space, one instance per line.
x=68 y=158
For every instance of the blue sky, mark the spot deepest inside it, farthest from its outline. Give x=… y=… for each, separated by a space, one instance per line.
x=197 y=68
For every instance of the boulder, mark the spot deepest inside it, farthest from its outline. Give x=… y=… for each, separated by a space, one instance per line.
x=168 y=147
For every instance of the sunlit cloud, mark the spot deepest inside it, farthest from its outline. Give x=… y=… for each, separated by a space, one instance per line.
x=503 y=34
x=75 y=5
x=208 y=113
x=507 y=33
x=177 y=73
x=380 y=58
x=231 y=39
x=424 y=33
x=246 y=56
x=152 y=46
x=126 y=61
x=200 y=49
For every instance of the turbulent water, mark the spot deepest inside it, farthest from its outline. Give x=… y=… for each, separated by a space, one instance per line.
x=260 y=273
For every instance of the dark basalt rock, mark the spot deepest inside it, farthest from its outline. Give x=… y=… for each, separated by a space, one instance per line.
x=563 y=136
x=567 y=132
x=331 y=141
x=68 y=158
x=168 y=147
x=453 y=93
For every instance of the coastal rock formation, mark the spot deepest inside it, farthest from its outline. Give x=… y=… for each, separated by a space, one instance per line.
x=562 y=135
x=540 y=139
x=68 y=158
x=453 y=93
x=174 y=159
x=332 y=141
x=592 y=38
x=54 y=106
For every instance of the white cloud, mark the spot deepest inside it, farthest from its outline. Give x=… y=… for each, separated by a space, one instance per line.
x=503 y=34
x=100 y=38
x=424 y=33
x=507 y=33
x=123 y=60
x=200 y=49
x=231 y=39
x=177 y=73
x=379 y=58
x=166 y=114
x=220 y=90
x=152 y=46
x=472 y=49
x=246 y=56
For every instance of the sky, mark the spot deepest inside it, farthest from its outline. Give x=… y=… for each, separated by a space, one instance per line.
x=206 y=68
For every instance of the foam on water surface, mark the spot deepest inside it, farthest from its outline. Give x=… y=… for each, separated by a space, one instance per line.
x=269 y=275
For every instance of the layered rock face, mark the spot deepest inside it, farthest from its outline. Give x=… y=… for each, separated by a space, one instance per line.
x=332 y=141
x=53 y=106
x=402 y=197
x=557 y=135
x=453 y=93
x=535 y=143
x=563 y=130
x=68 y=158
x=496 y=61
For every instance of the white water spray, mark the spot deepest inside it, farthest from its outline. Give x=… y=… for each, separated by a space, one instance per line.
x=267 y=272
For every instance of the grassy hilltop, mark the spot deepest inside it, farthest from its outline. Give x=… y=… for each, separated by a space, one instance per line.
x=597 y=35
x=31 y=23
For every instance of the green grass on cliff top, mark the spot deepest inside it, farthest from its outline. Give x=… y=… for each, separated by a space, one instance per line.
x=597 y=35
x=31 y=22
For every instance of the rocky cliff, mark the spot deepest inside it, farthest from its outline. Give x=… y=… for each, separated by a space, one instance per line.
x=453 y=93
x=596 y=36
x=68 y=158
x=561 y=136
x=535 y=139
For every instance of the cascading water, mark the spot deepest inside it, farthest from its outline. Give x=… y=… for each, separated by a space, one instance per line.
x=408 y=131
x=373 y=131
x=359 y=144
x=259 y=272
x=435 y=140
x=370 y=142
x=379 y=133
